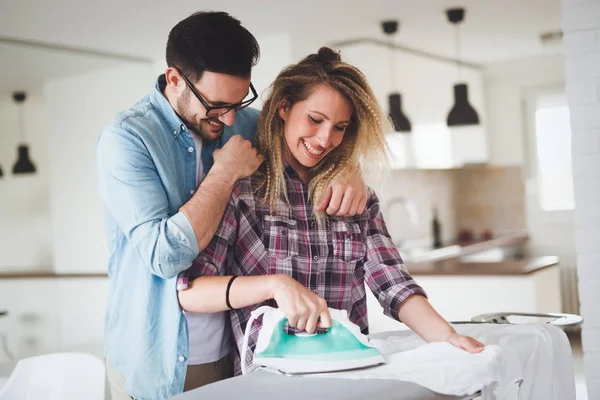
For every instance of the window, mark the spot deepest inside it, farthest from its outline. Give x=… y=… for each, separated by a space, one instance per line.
x=553 y=147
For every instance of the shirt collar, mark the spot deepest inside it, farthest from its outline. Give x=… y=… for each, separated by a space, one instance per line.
x=289 y=170
x=162 y=105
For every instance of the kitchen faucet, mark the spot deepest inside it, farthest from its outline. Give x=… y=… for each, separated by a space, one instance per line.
x=409 y=208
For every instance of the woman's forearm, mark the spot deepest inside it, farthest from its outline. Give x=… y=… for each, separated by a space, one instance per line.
x=421 y=317
x=206 y=294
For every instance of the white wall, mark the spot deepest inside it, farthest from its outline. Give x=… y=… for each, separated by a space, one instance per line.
x=275 y=54
x=25 y=227
x=581 y=24
x=80 y=108
x=506 y=86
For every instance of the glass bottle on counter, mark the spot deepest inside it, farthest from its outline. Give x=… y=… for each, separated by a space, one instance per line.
x=436 y=229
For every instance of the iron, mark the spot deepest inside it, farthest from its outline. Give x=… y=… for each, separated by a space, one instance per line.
x=342 y=347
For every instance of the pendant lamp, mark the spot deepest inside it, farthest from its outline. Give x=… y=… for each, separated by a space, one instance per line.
x=462 y=112
x=23 y=164
x=399 y=119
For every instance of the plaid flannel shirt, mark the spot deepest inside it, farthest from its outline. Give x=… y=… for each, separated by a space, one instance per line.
x=334 y=261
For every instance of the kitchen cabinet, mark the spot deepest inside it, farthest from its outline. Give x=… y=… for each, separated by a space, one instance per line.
x=427 y=90
x=50 y=314
x=459 y=295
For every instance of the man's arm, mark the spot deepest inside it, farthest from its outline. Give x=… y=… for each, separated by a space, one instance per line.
x=202 y=288
x=133 y=193
x=236 y=160
x=345 y=197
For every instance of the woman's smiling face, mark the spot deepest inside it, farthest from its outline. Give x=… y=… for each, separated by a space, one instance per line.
x=315 y=126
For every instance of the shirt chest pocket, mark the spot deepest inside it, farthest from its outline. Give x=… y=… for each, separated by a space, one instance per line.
x=280 y=236
x=348 y=241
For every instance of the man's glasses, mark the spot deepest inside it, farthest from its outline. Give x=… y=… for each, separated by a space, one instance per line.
x=217 y=111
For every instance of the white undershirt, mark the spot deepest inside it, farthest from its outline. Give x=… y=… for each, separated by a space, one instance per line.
x=209 y=334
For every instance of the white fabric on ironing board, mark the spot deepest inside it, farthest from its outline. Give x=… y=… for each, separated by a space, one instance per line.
x=539 y=355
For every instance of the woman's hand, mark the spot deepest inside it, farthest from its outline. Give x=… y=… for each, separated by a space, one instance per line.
x=304 y=309
x=465 y=342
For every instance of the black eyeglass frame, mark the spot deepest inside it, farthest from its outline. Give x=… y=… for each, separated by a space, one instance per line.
x=224 y=109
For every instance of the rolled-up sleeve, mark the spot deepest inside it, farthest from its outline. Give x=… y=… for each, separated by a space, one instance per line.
x=134 y=195
x=385 y=273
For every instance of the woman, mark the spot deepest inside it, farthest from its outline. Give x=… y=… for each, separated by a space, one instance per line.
x=320 y=121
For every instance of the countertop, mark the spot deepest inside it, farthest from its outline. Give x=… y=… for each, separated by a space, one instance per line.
x=416 y=252
x=442 y=261
x=44 y=274
x=447 y=259
x=456 y=267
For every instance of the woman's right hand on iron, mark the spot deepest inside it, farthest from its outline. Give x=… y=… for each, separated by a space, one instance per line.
x=304 y=309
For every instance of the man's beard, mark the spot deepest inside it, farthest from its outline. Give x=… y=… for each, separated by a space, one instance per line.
x=204 y=129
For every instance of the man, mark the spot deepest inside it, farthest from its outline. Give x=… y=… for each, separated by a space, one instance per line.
x=166 y=169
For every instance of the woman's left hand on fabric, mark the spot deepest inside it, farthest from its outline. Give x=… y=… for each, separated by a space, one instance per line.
x=467 y=343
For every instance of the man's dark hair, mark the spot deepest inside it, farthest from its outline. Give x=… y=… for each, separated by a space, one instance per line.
x=212 y=41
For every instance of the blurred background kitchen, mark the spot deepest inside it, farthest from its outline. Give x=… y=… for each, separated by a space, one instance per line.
x=479 y=197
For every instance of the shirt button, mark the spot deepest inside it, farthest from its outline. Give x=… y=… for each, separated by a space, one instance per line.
x=312 y=224
x=181 y=358
x=191 y=149
x=315 y=258
x=174 y=132
x=192 y=191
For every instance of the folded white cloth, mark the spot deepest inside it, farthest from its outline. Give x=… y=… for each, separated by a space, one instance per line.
x=539 y=356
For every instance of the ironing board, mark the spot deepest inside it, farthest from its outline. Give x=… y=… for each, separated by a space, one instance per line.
x=264 y=385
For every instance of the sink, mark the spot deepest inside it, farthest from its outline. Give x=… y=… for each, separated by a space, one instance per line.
x=495 y=250
x=429 y=254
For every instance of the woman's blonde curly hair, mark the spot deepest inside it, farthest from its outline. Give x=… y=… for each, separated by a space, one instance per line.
x=364 y=137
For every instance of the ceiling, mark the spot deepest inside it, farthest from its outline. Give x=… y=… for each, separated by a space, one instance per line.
x=493 y=31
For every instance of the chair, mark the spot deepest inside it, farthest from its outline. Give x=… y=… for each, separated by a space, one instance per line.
x=58 y=376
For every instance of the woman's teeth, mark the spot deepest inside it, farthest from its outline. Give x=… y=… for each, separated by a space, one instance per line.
x=214 y=123
x=311 y=149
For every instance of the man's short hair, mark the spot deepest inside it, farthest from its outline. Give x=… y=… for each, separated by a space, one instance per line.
x=212 y=41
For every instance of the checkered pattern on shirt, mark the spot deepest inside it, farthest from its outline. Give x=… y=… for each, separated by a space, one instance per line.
x=334 y=260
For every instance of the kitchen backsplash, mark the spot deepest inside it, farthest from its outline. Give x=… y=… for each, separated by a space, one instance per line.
x=478 y=199
x=489 y=198
x=423 y=189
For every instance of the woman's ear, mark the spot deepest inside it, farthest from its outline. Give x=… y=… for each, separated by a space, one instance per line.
x=283 y=110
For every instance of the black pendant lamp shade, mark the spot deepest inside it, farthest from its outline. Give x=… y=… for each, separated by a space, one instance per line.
x=399 y=119
x=461 y=113
x=23 y=164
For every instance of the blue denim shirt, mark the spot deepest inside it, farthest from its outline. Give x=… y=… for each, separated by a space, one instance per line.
x=146 y=165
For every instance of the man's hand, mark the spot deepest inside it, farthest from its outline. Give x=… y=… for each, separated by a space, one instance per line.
x=345 y=198
x=303 y=308
x=465 y=342
x=237 y=159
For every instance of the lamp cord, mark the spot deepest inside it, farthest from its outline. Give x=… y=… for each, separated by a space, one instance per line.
x=21 y=135
x=457 y=47
x=392 y=64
